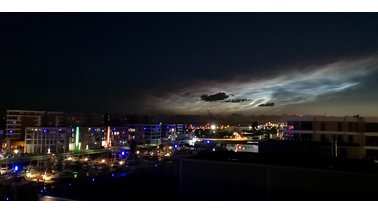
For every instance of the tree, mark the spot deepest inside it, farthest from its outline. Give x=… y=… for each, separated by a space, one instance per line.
x=255 y=125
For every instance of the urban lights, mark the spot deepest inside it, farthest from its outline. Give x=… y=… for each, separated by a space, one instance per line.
x=77 y=139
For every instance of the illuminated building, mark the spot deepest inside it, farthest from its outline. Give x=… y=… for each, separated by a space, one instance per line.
x=82 y=138
x=39 y=140
x=121 y=135
x=143 y=133
x=76 y=136
x=351 y=137
x=18 y=120
x=180 y=128
x=171 y=131
x=43 y=140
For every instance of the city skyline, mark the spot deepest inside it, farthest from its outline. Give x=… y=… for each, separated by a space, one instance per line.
x=191 y=63
x=188 y=106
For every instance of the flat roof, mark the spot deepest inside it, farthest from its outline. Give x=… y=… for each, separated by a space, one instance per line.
x=332 y=118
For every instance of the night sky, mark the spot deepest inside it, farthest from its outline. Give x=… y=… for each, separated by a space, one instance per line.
x=189 y=63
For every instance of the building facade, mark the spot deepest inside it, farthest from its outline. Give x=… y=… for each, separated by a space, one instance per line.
x=46 y=140
x=42 y=140
x=143 y=133
x=18 y=120
x=356 y=136
x=85 y=138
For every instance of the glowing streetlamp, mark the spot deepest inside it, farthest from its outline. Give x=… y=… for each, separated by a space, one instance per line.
x=213 y=127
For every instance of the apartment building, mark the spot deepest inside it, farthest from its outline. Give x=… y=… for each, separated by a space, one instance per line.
x=18 y=120
x=355 y=136
x=46 y=140
x=85 y=138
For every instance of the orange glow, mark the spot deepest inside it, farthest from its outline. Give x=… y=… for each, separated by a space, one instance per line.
x=108 y=138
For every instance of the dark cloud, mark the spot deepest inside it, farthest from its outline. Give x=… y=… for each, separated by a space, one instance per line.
x=236 y=114
x=237 y=100
x=215 y=97
x=266 y=105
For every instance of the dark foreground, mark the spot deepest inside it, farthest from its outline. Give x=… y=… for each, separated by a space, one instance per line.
x=153 y=184
x=224 y=176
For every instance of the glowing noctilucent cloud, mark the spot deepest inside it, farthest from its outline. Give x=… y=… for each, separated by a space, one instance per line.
x=291 y=87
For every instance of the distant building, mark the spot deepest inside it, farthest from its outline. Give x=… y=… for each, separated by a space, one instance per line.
x=122 y=135
x=45 y=140
x=18 y=120
x=180 y=128
x=143 y=133
x=41 y=132
x=171 y=131
x=239 y=128
x=84 y=119
x=354 y=137
x=152 y=133
x=108 y=136
x=85 y=138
